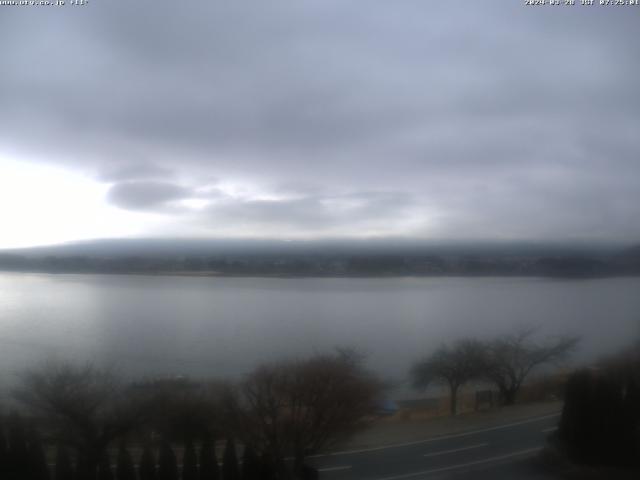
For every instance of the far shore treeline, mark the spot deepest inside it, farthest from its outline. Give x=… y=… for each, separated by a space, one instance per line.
x=302 y=259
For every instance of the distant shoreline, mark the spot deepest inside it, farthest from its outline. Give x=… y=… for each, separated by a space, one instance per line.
x=354 y=261
x=214 y=274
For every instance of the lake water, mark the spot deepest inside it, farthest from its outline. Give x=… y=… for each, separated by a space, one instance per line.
x=221 y=327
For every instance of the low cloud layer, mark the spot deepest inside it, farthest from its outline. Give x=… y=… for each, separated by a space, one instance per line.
x=142 y=195
x=329 y=118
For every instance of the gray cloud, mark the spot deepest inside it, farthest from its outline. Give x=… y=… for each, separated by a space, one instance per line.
x=145 y=195
x=133 y=170
x=488 y=119
x=361 y=210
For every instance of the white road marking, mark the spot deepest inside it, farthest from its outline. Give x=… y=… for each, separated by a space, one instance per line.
x=463 y=465
x=334 y=469
x=435 y=439
x=454 y=450
x=550 y=429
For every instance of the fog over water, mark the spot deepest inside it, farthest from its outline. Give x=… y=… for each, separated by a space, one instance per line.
x=223 y=327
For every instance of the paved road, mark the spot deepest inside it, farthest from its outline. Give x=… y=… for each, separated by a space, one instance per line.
x=499 y=452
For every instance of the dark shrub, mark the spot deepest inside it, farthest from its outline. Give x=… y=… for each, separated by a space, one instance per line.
x=125 y=469
x=104 y=468
x=230 y=462
x=147 y=464
x=250 y=464
x=83 y=470
x=167 y=463
x=17 y=452
x=63 y=469
x=308 y=473
x=600 y=422
x=208 y=461
x=268 y=470
x=189 y=463
x=38 y=469
x=4 y=450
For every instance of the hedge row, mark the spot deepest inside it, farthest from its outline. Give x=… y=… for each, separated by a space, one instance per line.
x=22 y=457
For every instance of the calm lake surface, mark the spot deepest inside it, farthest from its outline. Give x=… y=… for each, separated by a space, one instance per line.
x=148 y=325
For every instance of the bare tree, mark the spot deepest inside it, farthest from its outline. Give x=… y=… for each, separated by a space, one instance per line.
x=511 y=358
x=182 y=410
x=85 y=407
x=453 y=366
x=302 y=407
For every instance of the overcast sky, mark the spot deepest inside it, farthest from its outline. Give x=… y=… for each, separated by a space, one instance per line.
x=297 y=119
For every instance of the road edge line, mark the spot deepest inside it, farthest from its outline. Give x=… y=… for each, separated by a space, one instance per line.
x=435 y=439
x=463 y=465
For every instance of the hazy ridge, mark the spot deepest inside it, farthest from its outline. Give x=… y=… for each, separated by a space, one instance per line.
x=326 y=258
